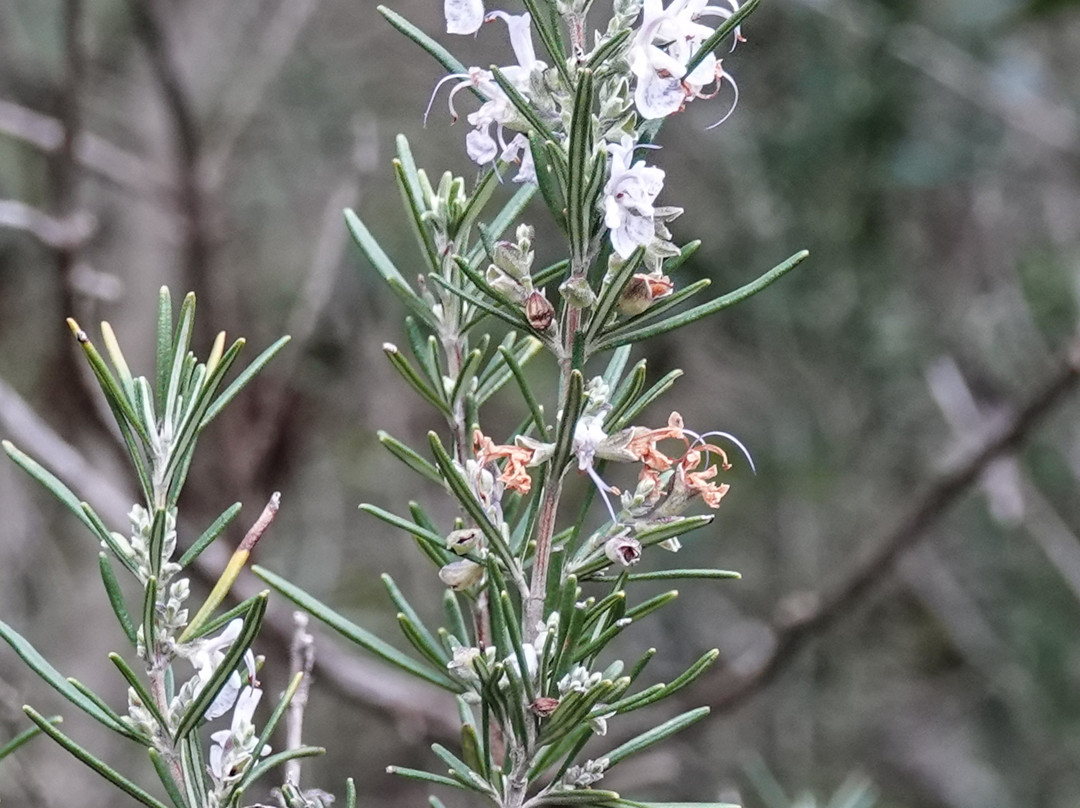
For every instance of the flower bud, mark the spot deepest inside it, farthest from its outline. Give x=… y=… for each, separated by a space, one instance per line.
x=462 y=574
x=539 y=311
x=577 y=293
x=544 y=706
x=463 y=541
x=622 y=549
x=635 y=297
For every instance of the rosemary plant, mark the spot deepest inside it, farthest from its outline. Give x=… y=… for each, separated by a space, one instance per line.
x=534 y=595
x=182 y=672
x=536 y=591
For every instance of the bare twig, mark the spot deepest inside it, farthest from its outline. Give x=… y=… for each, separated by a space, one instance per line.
x=192 y=201
x=93 y=152
x=302 y=661
x=807 y=615
x=61 y=235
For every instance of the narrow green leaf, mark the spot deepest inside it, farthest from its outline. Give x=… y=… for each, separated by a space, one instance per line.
x=431 y=652
x=434 y=649
x=652 y=604
x=272 y=761
x=685 y=524
x=523 y=351
x=242 y=380
x=165 y=775
x=717 y=36
x=673 y=575
x=116 y=598
x=643 y=741
x=427 y=777
x=705 y=309
x=208 y=535
x=564 y=435
x=633 y=410
x=85 y=757
x=140 y=689
x=547 y=179
x=350 y=793
x=149 y=611
x=185 y=324
x=609 y=296
x=579 y=150
x=526 y=391
x=409 y=457
x=434 y=397
x=271 y=725
x=433 y=48
x=119 y=551
x=656 y=310
x=585 y=796
x=192 y=761
x=522 y=105
x=103 y=706
x=114 y=394
x=164 y=350
x=49 y=481
x=551 y=273
x=353 y=632
x=455 y=618
x=546 y=25
x=385 y=267
x=414 y=204
x=692 y=673
x=434 y=540
x=50 y=675
x=25 y=736
x=458 y=767
x=467 y=374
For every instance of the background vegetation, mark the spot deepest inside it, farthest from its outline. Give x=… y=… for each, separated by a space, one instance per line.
x=898 y=619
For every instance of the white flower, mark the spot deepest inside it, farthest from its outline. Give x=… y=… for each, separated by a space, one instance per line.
x=520 y=146
x=232 y=750
x=628 y=199
x=207 y=654
x=482 y=147
x=664 y=45
x=463 y=16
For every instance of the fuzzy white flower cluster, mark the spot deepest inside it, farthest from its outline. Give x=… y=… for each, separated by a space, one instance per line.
x=483 y=147
x=660 y=74
x=663 y=47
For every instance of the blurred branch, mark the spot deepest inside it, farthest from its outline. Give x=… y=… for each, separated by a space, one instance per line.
x=93 y=152
x=357 y=680
x=57 y=234
x=802 y=616
x=1054 y=125
x=192 y=201
x=245 y=90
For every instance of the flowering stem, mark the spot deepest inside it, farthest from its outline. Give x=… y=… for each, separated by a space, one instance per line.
x=549 y=506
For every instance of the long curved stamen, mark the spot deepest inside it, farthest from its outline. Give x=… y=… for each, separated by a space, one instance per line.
x=723 y=74
x=728 y=436
x=604 y=489
x=440 y=83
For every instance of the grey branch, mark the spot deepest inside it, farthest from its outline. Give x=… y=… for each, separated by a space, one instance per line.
x=806 y=615
x=94 y=153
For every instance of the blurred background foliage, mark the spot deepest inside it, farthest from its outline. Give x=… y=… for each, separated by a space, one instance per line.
x=926 y=152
